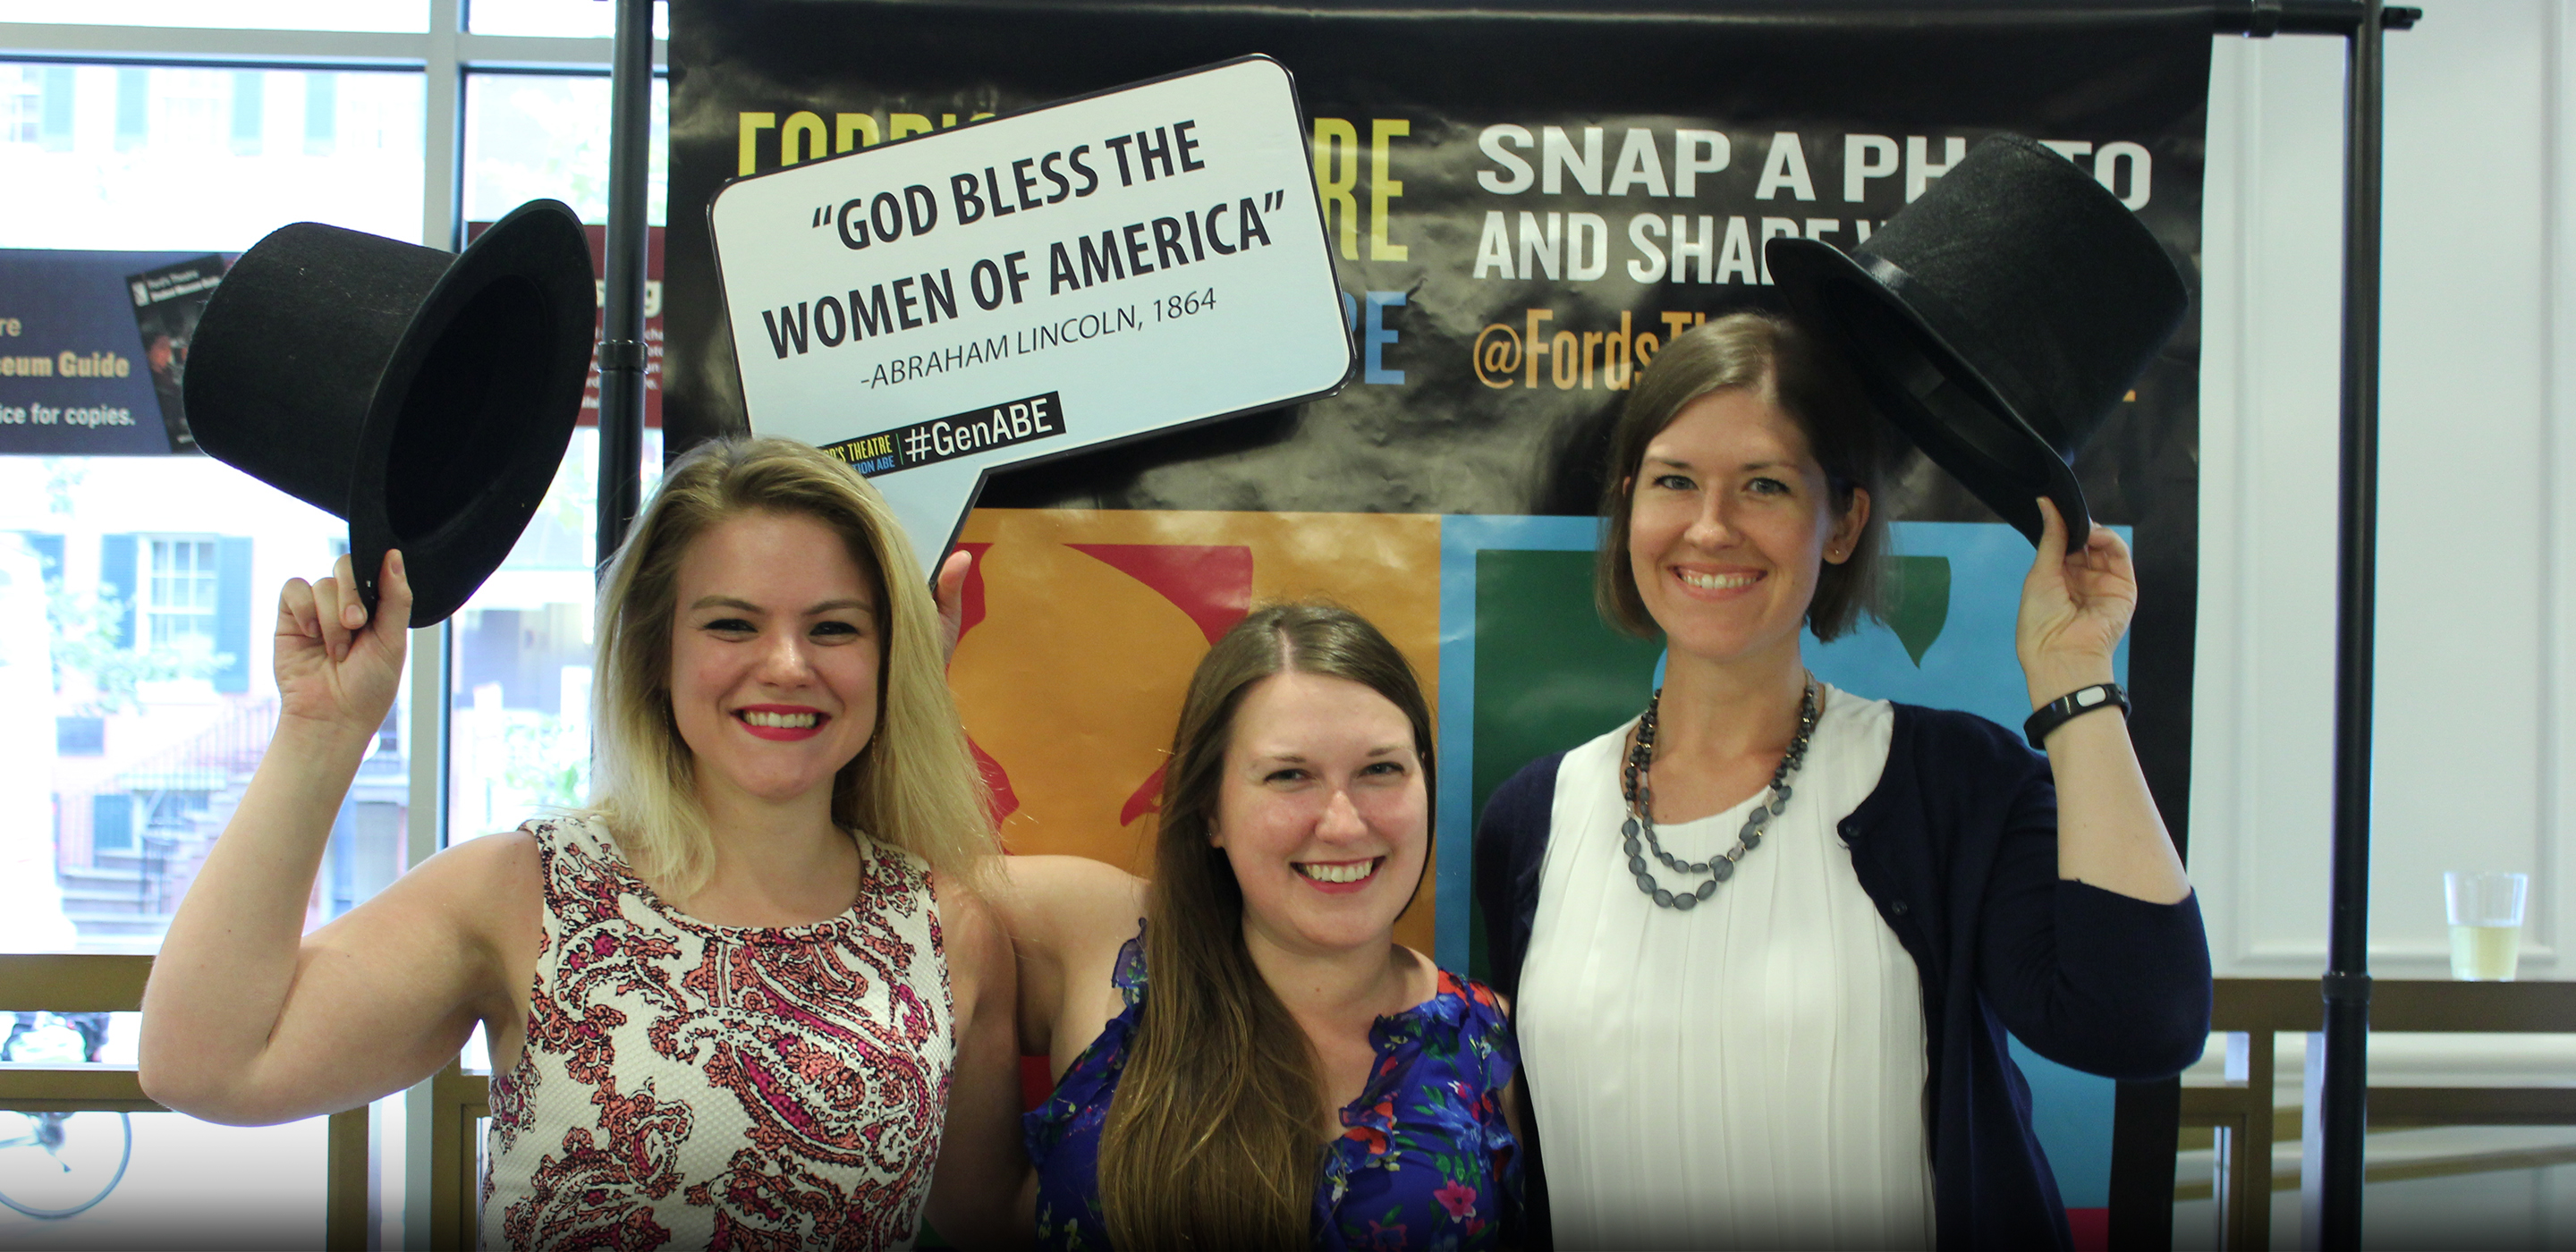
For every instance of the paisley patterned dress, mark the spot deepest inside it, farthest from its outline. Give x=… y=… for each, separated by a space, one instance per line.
x=694 y=1086
x=1424 y=1161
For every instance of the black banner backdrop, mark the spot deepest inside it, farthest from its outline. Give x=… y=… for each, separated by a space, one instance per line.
x=1527 y=202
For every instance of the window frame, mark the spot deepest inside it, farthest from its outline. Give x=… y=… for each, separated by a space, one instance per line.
x=149 y=577
x=443 y=53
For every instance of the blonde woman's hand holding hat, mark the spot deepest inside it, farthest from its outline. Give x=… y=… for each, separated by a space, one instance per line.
x=334 y=666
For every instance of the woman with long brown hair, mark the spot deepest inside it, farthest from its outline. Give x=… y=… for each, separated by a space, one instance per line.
x=1290 y=1077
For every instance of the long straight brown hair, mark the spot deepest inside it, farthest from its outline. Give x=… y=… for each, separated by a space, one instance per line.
x=1211 y=1138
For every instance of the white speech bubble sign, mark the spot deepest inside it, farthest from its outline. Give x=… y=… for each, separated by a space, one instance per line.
x=1090 y=271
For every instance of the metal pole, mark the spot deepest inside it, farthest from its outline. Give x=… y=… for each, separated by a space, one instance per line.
x=621 y=343
x=2346 y=985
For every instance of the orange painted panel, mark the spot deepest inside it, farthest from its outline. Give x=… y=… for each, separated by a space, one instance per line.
x=1083 y=627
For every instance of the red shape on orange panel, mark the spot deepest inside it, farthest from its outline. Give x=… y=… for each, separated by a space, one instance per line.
x=970 y=598
x=997 y=782
x=970 y=612
x=1210 y=582
x=2091 y=1228
x=1036 y=1084
x=1148 y=799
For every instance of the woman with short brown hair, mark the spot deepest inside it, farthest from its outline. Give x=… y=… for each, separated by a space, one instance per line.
x=1765 y=939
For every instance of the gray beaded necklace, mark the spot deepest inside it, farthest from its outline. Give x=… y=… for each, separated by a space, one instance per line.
x=1637 y=785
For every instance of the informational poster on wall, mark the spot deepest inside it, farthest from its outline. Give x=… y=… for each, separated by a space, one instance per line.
x=1523 y=208
x=598 y=236
x=93 y=347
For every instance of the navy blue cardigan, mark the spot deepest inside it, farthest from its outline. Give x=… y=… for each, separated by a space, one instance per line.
x=1958 y=848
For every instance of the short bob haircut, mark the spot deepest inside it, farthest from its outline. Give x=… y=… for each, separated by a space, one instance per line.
x=913 y=786
x=1783 y=362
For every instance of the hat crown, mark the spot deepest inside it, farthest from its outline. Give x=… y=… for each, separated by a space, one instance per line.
x=425 y=398
x=2043 y=278
x=278 y=362
x=1999 y=319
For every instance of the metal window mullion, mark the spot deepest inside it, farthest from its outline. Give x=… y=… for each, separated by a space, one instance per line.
x=320 y=49
x=442 y=159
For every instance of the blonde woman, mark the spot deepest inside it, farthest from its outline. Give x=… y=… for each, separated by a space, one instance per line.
x=729 y=1002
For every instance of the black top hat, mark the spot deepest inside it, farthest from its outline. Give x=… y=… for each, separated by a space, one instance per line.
x=423 y=397
x=1999 y=319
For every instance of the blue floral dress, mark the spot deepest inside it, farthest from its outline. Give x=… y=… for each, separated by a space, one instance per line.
x=1424 y=1161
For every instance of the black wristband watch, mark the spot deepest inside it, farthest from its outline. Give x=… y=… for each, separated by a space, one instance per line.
x=2048 y=717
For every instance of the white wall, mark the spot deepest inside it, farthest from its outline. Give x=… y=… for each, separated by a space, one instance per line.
x=2477 y=556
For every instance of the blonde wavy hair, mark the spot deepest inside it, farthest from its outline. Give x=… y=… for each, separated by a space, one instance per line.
x=914 y=786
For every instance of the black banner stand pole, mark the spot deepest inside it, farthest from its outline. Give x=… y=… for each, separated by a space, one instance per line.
x=2332 y=1203
x=2336 y=1202
x=621 y=342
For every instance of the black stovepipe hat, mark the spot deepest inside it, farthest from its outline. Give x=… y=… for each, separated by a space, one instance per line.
x=422 y=396
x=1998 y=320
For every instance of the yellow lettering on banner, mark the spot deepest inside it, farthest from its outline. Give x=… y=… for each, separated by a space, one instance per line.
x=1383 y=187
x=71 y=364
x=1618 y=354
x=853 y=130
x=747 y=146
x=902 y=124
x=1533 y=352
x=1335 y=192
x=809 y=125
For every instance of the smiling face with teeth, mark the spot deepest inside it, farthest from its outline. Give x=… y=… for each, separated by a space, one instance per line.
x=1731 y=524
x=1322 y=812
x=774 y=659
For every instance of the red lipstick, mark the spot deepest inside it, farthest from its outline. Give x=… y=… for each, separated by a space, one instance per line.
x=791 y=715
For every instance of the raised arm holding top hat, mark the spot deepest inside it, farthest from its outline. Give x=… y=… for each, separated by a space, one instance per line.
x=747 y=996
x=1765 y=940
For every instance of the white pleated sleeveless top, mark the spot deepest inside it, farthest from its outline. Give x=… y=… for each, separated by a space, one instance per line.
x=1746 y=1074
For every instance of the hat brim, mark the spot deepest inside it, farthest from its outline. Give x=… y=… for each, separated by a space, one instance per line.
x=1926 y=385
x=471 y=416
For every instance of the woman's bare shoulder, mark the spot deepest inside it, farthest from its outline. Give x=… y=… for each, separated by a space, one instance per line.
x=489 y=888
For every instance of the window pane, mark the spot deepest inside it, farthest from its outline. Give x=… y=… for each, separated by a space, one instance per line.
x=532 y=135
x=148 y=701
x=577 y=18
x=519 y=739
x=201 y=159
x=360 y=15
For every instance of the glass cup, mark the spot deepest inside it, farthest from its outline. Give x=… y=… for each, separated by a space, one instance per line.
x=2486 y=923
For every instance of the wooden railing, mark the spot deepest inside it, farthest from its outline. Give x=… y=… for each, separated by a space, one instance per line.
x=457 y=1099
x=2252 y=1010
x=114 y=984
